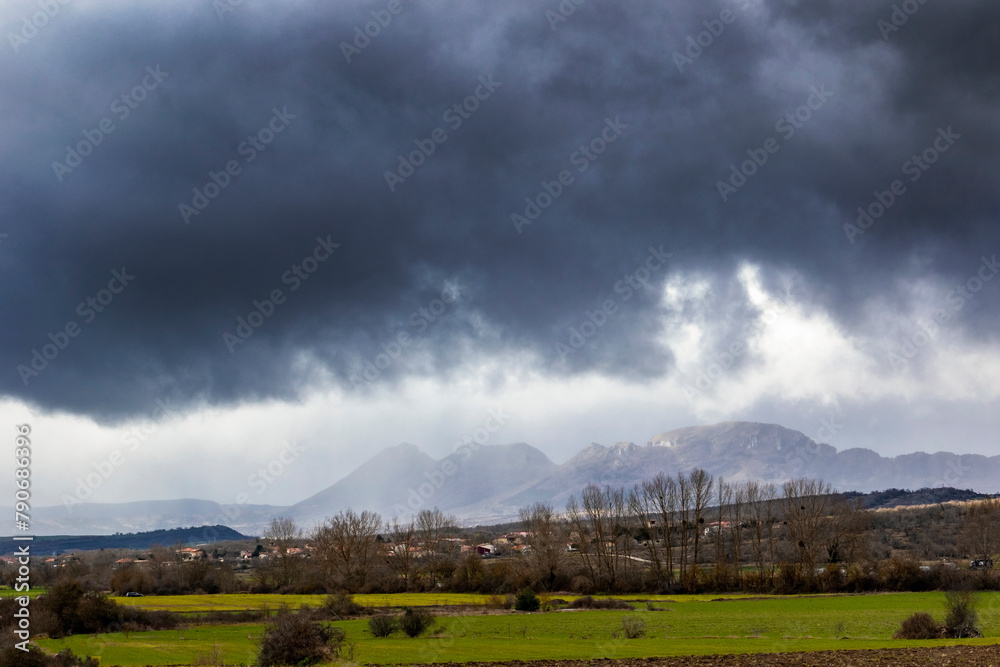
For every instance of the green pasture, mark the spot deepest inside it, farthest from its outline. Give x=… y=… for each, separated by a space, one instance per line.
x=7 y=592
x=686 y=625
x=244 y=601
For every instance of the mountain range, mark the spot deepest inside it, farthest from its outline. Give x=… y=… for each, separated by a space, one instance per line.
x=490 y=484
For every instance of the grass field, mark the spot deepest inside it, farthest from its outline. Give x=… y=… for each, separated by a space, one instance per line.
x=6 y=592
x=687 y=625
x=243 y=601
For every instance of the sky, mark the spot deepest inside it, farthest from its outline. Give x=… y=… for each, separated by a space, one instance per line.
x=235 y=232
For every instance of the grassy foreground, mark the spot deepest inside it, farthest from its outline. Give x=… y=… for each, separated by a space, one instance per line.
x=687 y=625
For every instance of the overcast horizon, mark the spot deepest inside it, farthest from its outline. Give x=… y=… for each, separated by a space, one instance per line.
x=233 y=232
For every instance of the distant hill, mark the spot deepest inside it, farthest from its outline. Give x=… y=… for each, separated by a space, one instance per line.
x=400 y=481
x=904 y=498
x=58 y=544
x=489 y=484
x=135 y=517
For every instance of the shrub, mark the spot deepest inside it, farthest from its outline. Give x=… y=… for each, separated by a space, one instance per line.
x=633 y=627
x=590 y=602
x=962 y=619
x=920 y=625
x=526 y=600
x=341 y=605
x=10 y=656
x=415 y=622
x=382 y=626
x=499 y=602
x=292 y=639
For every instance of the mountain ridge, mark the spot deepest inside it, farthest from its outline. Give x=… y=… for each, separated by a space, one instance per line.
x=490 y=483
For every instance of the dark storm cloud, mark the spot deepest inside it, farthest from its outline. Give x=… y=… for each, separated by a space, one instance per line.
x=343 y=125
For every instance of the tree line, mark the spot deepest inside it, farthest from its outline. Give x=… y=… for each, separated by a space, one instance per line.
x=682 y=533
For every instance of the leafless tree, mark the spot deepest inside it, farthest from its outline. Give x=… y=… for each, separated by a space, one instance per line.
x=603 y=524
x=434 y=528
x=737 y=515
x=283 y=534
x=404 y=540
x=547 y=539
x=722 y=529
x=981 y=532
x=701 y=490
x=684 y=502
x=655 y=502
x=807 y=507
x=760 y=505
x=347 y=546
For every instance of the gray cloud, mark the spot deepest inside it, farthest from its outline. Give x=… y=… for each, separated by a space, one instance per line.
x=323 y=176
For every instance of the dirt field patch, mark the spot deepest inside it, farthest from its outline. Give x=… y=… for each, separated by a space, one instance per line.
x=946 y=656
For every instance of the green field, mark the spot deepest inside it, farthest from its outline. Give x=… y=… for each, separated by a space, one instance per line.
x=244 y=601
x=6 y=592
x=687 y=625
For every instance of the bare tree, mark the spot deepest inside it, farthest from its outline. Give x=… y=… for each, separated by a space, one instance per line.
x=656 y=505
x=684 y=501
x=981 y=533
x=547 y=539
x=701 y=490
x=738 y=520
x=404 y=540
x=722 y=528
x=807 y=506
x=603 y=523
x=347 y=546
x=848 y=537
x=760 y=500
x=283 y=534
x=434 y=528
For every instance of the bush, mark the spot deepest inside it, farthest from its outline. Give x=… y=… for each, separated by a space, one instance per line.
x=292 y=639
x=633 y=627
x=11 y=656
x=341 y=605
x=962 y=620
x=526 y=600
x=415 y=622
x=590 y=602
x=919 y=626
x=382 y=626
x=499 y=602
x=67 y=609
